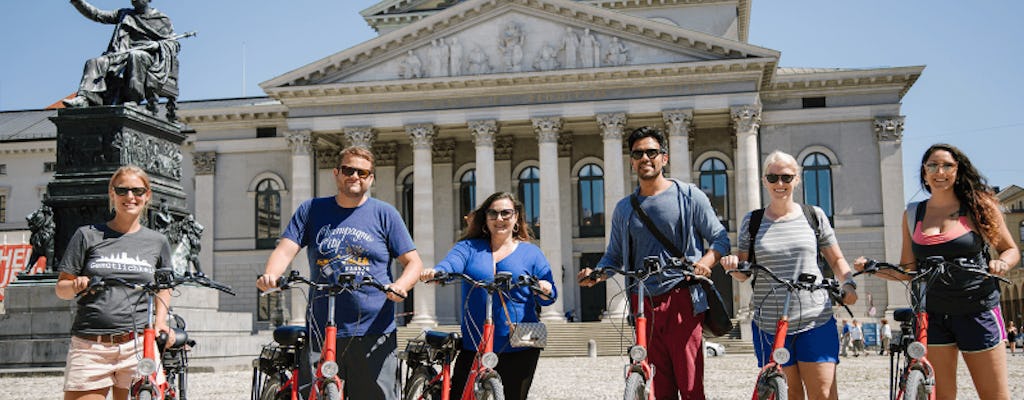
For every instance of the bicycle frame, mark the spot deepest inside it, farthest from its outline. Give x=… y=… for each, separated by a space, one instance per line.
x=485 y=349
x=421 y=353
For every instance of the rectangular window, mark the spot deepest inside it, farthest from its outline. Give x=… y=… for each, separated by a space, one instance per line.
x=3 y=169
x=814 y=102
x=3 y=208
x=268 y=307
x=49 y=166
x=269 y=131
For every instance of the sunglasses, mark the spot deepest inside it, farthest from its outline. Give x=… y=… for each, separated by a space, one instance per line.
x=772 y=178
x=348 y=171
x=651 y=153
x=504 y=214
x=123 y=191
x=932 y=168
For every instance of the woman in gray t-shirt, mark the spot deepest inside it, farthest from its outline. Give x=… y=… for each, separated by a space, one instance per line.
x=787 y=244
x=105 y=348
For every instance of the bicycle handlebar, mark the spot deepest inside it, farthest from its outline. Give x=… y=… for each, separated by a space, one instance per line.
x=930 y=266
x=162 y=280
x=344 y=281
x=804 y=282
x=652 y=265
x=503 y=281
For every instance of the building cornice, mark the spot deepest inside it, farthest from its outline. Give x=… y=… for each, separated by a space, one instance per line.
x=242 y=115
x=742 y=9
x=794 y=82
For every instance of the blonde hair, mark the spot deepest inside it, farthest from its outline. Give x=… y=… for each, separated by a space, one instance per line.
x=782 y=157
x=126 y=170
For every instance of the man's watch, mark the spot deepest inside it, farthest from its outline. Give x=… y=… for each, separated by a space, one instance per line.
x=850 y=282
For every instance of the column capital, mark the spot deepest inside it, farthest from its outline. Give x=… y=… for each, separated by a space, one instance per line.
x=678 y=122
x=746 y=119
x=889 y=129
x=612 y=125
x=362 y=136
x=300 y=142
x=326 y=156
x=503 y=147
x=204 y=162
x=547 y=128
x=565 y=145
x=483 y=132
x=386 y=153
x=422 y=135
x=444 y=150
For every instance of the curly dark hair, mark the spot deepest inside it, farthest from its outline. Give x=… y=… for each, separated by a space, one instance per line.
x=477 y=220
x=971 y=188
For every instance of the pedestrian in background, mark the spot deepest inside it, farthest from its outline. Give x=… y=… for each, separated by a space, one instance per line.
x=885 y=336
x=857 y=337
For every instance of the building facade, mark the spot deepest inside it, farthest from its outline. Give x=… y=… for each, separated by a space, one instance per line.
x=536 y=97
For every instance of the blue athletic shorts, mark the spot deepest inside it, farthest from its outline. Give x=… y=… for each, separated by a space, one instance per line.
x=818 y=345
x=969 y=333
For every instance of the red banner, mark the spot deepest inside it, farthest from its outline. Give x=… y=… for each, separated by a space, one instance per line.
x=14 y=260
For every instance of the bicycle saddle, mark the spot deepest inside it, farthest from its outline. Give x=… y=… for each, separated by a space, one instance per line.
x=903 y=314
x=440 y=339
x=290 y=335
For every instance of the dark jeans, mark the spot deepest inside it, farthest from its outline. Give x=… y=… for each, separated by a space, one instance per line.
x=368 y=367
x=516 y=371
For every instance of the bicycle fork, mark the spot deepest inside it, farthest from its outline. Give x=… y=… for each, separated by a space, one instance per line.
x=780 y=354
x=486 y=360
x=148 y=366
x=638 y=352
x=327 y=371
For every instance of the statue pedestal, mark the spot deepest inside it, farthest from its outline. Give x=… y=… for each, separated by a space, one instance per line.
x=94 y=142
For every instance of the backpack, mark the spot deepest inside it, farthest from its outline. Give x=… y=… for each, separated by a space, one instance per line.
x=755 y=224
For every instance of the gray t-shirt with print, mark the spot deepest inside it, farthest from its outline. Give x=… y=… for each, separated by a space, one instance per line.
x=96 y=250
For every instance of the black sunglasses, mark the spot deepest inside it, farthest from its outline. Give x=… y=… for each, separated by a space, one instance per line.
x=772 y=178
x=505 y=214
x=651 y=153
x=123 y=191
x=348 y=171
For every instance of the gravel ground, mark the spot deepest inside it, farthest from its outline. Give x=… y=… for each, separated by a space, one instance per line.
x=727 y=377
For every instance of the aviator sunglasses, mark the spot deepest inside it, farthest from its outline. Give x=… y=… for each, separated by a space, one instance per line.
x=123 y=191
x=651 y=153
x=348 y=171
x=772 y=178
x=505 y=214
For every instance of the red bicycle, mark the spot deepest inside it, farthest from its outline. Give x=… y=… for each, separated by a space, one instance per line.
x=426 y=382
x=281 y=362
x=910 y=373
x=145 y=386
x=771 y=381
x=430 y=357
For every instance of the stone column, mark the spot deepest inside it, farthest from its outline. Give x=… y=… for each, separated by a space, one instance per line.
x=422 y=137
x=384 y=171
x=302 y=190
x=679 y=124
x=612 y=128
x=483 y=138
x=746 y=121
x=889 y=134
x=445 y=227
x=205 y=166
x=362 y=136
x=547 y=130
x=569 y=290
x=503 y=163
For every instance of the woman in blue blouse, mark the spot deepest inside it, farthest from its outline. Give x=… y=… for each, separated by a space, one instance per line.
x=497 y=238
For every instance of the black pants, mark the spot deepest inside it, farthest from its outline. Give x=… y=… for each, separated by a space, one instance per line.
x=516 y=371
x=368 y=366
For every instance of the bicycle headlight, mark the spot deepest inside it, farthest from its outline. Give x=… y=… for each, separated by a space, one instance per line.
x=781 y=355
x=637 y=353
x=916 y=349
x=147 y=366
x=489 y=360
x=329 y=369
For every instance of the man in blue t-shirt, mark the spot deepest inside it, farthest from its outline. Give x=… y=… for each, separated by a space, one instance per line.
x=352 y=233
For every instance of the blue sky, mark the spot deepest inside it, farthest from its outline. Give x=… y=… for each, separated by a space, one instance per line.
x=967 y=96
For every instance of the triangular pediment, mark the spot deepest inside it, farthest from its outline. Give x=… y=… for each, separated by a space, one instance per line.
x=484 y=37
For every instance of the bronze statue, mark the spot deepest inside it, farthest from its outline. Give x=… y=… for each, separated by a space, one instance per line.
x=43 y=228
x=140 y=63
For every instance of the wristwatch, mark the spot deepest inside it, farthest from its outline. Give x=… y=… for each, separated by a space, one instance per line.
x=852 y=283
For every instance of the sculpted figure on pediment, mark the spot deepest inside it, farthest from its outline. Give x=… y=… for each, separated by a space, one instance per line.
x=590 y=50
x=437 y=58
x=570 y=46
x=510 y=44
x=478 y=62
x=455 y=51
x=546 y=59
x=410 y=67
x=617 y=53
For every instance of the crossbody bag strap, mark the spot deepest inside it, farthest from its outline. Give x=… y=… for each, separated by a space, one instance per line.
x=671 y=247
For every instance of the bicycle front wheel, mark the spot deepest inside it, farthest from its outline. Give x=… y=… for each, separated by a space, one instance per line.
x=636 y=387
x=270 y=388
x=916 y=389
x=490 y=389
x=331 y=391
x=144 y=394
x=773 y=388
x=416 y=387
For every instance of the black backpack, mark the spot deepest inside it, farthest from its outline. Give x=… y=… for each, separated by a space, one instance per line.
x=755 y=225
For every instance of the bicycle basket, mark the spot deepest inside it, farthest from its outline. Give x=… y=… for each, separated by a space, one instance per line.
x=417 y=350
x=274 y=357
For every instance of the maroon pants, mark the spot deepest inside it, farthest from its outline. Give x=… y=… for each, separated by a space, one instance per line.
x=674 y=337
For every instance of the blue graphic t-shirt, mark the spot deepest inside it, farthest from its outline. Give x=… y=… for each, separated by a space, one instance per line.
x=360 y=240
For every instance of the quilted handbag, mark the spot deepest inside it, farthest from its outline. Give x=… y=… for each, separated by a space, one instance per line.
x=528 y=334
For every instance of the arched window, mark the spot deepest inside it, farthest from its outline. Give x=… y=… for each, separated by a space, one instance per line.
x=467 y=195
x=268 y=214
x=407 y=200
x=591 y=207
x=715 y=183
x=1022 y=233
x=817 y=179
x=529 y=194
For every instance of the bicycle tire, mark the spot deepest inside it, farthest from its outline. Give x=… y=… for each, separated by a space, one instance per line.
x=636 y=387
x=331 y=391
x=491 y=389
x=415 y=388
x=915 y=389
x=144 y=394
x=773 y=388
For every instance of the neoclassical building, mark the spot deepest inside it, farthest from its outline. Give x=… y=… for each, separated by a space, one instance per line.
x=459 y=99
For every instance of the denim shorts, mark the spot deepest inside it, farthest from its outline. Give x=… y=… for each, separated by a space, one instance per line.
x=970 y=333
x=818 y=345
